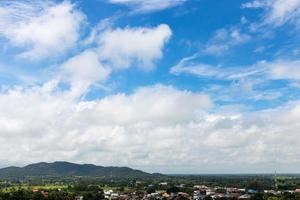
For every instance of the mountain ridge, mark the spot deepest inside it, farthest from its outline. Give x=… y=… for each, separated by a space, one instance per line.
x=64 y=169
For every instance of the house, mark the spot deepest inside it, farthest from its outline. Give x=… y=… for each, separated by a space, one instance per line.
x=241 y=190
x=35 y=190
x=114 y=196
x=165 y=195
x=78 y=198
x=107 y=194
x=251 y=191
x=245 y=196
x=163 y=184
x=210 y=191
x=200 y=187
x=124 y=197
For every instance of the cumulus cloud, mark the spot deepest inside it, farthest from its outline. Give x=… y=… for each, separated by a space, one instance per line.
x=121 y=129
x=154 y=127
x=148 y=5
x=40 y=28
x=156 y=104
x=115 y=49
x=84 y=70
x=141 y=46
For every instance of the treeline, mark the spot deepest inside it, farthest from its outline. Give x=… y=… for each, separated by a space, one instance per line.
x=91 y=192
x=261 y=196
x=52 y=195
x=284 y=196
x=264 y=182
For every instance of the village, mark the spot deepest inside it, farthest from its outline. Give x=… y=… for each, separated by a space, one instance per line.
x=200 y=192
x=185 y=187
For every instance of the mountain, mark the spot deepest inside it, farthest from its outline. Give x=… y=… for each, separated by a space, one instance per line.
x=63 y=169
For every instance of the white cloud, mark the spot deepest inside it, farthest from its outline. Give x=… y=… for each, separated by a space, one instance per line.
x=277 y=12
x=189 y=66
x=254 y=4
x=84 y=70
x=122 y=48
x=145 y=6
x=243 y=82
x=273 y=70
x=224 y=39
x=157 y=104
x=156 y=127
x=192 y=65
x=283 y=69
x=41 y=28
x=144 y=123
x=117 y=49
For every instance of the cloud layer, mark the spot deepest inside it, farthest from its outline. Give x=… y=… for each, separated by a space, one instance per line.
x=134 y=129
x=152 y=128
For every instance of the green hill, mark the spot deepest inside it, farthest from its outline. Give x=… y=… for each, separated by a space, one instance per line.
x=63 y=169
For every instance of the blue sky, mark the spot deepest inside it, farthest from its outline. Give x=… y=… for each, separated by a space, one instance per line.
x=181 y=86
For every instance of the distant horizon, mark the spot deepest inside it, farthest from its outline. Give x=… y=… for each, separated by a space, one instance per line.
x=166 y=173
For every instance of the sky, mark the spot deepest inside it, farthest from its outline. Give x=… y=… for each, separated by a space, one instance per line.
x=170 y=86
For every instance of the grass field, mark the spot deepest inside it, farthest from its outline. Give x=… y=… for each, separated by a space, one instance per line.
x=37 y=187
x=50 y=187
